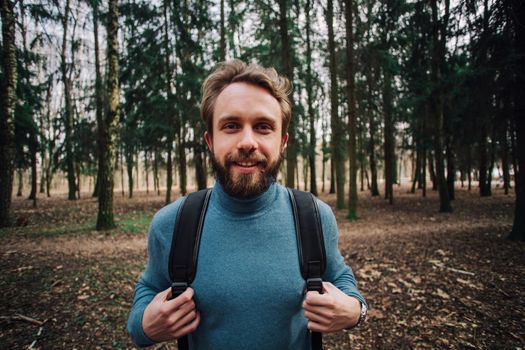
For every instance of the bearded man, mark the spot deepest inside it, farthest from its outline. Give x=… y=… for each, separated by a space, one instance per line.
x=248 y=292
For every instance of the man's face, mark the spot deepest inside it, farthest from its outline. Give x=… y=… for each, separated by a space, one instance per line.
x=246 y=145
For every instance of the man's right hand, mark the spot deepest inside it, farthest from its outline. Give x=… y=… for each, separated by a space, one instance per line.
x=166 y=319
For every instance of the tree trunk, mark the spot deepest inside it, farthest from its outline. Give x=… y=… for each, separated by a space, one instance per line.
x=200 y=173
x=7 y=113
x=336 y=125
x=99 y=97
x=129 y=170
x=451 y=169
x=483 y=181
x=332 y=176
x=389 y=144
x=156 y=187
x=20 y=176
x=311 y=112
x=169 y=176
x=169 y=110
x=424 y=172
x=518 y=227
x=223 y=35
x=433 y=177
x=438 y=56
x=505 y=159
x=105 y=219
x=286 y=51
x=70 y=169
x=352 y=120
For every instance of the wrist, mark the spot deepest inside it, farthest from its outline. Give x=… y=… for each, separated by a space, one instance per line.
x=360 y=317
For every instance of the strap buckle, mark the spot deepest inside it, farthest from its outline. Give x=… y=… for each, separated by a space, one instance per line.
x=177 y=288
x=315 y=285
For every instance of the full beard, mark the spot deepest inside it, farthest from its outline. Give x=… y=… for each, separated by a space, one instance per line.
x=245 y=186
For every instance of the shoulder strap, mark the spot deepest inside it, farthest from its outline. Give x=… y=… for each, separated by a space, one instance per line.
x=185 y=246
x=186 y=238
x=309 y=234
x=310 y=243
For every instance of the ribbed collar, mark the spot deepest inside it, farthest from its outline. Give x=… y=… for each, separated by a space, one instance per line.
x=243 y=206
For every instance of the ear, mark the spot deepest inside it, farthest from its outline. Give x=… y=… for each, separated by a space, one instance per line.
x=209 y=140
x=284 y=141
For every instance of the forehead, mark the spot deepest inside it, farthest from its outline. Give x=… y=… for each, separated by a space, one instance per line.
x=246 y=100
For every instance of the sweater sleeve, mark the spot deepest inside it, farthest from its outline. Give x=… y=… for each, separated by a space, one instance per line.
x=155 y=278
x=337 y=272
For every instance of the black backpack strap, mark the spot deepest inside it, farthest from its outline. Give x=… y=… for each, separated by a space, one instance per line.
x=185 y=245
x=310 y=243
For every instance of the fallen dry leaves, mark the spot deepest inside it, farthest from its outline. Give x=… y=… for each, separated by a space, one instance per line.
x=432 y=281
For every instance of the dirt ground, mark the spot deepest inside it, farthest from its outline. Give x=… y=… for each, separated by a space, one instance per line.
x=432 y=281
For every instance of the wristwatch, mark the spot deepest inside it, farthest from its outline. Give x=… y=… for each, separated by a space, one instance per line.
x=362 y=316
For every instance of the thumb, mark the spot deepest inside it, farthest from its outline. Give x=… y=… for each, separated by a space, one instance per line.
x=164 y=295
x=328 y=287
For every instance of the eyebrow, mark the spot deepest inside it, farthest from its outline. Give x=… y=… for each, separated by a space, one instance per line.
x=233 y=118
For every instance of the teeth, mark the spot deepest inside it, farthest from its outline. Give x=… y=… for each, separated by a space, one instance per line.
x=246 y=164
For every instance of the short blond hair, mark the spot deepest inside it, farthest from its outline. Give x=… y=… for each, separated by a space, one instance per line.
x=236 y=71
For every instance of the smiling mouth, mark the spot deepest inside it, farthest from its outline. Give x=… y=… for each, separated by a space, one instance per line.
x=247 y=164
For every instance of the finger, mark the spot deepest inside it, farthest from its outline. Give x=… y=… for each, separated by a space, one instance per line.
x=316 y=327
x=182 y=311
x=164 y=295
x=321 y=311
x=316 y=318
x=184 y=320
x=328 y=287
x=181 y=299
x=316 y=299
x=191 y=327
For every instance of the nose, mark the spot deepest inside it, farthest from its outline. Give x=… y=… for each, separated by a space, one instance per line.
x=247 y=142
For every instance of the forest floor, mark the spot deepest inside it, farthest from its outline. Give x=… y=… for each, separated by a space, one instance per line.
x=432 y=281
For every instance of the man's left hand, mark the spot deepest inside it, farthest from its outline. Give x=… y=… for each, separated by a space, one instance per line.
x=331 y=311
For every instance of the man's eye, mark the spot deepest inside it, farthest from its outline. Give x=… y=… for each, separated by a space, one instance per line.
x=264 y=127
x=230 y=126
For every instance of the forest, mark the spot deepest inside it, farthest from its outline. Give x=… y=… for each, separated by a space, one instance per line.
x=408 y=119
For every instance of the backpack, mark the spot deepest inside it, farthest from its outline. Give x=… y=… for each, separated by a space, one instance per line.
x=186 y=241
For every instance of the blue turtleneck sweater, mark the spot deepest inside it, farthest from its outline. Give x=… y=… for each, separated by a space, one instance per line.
x=248 y=285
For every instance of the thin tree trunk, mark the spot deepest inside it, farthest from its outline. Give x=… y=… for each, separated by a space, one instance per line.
x=451 y=170
x=438 y=56
x=424 y=172
x=68 y=108
x=223 y=35
x=505 y=159
x=7 y=114
x=20 y=175
x=332 y=176
x=311 y=112
x=389 y=137
x=105 y=219
x=336 y=125
x=169 y=110
x=129 y=169
x=352 y=119
x=286 y=52
x=146 y=170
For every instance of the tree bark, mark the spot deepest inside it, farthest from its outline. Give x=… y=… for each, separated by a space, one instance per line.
x=223 y=35
x=352 y=120
x=7 y=116
x=105 y=219
x=389 y=144
x=518 y=227
x=311 y=112
x=286 y=51
x=68 y=108
x=336 y=125
x=99 y=97
x=438 y=56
